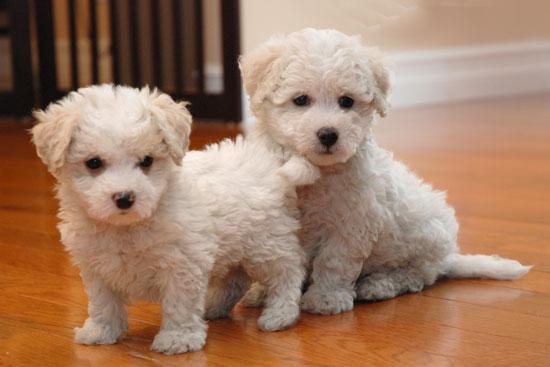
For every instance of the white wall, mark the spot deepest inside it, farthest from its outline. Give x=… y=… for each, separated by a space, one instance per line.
x=402 y=24
x=444 y=50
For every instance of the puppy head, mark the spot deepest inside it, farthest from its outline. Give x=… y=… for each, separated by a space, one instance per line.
x=317 y=92
x=114 y=147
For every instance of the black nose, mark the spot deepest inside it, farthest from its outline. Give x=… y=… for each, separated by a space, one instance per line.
x=124 y=200
x=327 y=136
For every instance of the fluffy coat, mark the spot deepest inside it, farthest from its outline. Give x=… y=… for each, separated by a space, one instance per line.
x=221 y=216
x=371 y=229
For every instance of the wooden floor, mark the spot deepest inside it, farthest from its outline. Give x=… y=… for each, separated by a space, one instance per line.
x=492 y=157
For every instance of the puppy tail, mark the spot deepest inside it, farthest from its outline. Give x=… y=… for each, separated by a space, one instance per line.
x=483 y=266
x=298 y=171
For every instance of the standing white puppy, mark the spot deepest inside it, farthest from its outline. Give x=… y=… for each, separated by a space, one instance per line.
x=371 y=228
x=141 y=223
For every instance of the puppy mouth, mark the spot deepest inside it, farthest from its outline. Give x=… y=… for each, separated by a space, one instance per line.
x=323 y=156
x=125 y=217
x=326 y=150
x=135 y=214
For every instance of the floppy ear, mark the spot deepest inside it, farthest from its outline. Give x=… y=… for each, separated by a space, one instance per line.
x=173 y=120
x=259 y=69
x=382 y=70
x=52 y=135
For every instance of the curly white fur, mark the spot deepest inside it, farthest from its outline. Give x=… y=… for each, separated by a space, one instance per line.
x=220 y=216
x=371 y=228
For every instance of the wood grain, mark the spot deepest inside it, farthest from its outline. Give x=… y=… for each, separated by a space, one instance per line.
x=492 y=158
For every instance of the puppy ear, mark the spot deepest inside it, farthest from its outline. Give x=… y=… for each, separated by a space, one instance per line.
x=173 y=120
x=52 y=135
x=382 y=70
x=259 y=71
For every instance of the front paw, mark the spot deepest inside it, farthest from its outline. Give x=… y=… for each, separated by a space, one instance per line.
x=254 y=297
x=279 y=318
x=216 y=313
x=178 y=341
x=299 y=171
x=95 y=333
x=327 y=302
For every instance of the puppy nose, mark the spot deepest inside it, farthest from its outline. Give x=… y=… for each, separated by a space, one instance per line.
x=124 y=200
x=327 y=136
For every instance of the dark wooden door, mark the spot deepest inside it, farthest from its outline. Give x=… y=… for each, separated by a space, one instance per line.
x=160 y=43
x=16 y=90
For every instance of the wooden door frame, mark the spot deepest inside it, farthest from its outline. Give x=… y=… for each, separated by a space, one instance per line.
x=225 y=106
x=20 y=100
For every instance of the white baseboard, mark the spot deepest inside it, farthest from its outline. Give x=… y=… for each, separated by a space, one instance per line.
x=440 y=76
x=467 y=73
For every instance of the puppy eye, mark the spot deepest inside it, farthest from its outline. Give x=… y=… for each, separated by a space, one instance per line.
x=302 y=100
x=94 y=163
x=345 y=102
x=147 y=161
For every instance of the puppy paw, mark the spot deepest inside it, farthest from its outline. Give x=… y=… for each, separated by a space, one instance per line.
x=278 y=318
x=95 y=333
x=327 y=302
x=176 y=341
x=375 y=290
x=380 y=287
x=299 y=171
x=216 y=312
x=254 y=297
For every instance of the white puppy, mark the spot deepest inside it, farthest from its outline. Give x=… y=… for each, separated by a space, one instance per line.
x=139 y=226
x=371 y=228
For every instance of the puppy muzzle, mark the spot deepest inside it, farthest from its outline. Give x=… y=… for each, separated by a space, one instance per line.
x=124 y=200
x=328 y=136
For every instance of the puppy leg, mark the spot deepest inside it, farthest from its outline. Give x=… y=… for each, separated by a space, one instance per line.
x=182 y=328
x=298 y=171
x=255 y=296
x=282 y=275
x=283 y=281
x=333 y=278
x=107 y=317
x=224 y=293
x=393 y=282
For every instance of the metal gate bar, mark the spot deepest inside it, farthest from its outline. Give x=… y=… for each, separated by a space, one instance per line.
x=204 y=104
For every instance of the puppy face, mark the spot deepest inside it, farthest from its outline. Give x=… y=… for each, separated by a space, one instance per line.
x=114 y=148
x=317 y=92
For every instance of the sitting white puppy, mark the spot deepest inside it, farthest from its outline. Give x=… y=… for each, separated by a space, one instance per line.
x=140 y=226
x=371 y=228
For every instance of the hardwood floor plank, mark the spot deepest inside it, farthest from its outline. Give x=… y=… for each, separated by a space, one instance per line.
x=492 y=158
x=495 y=296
